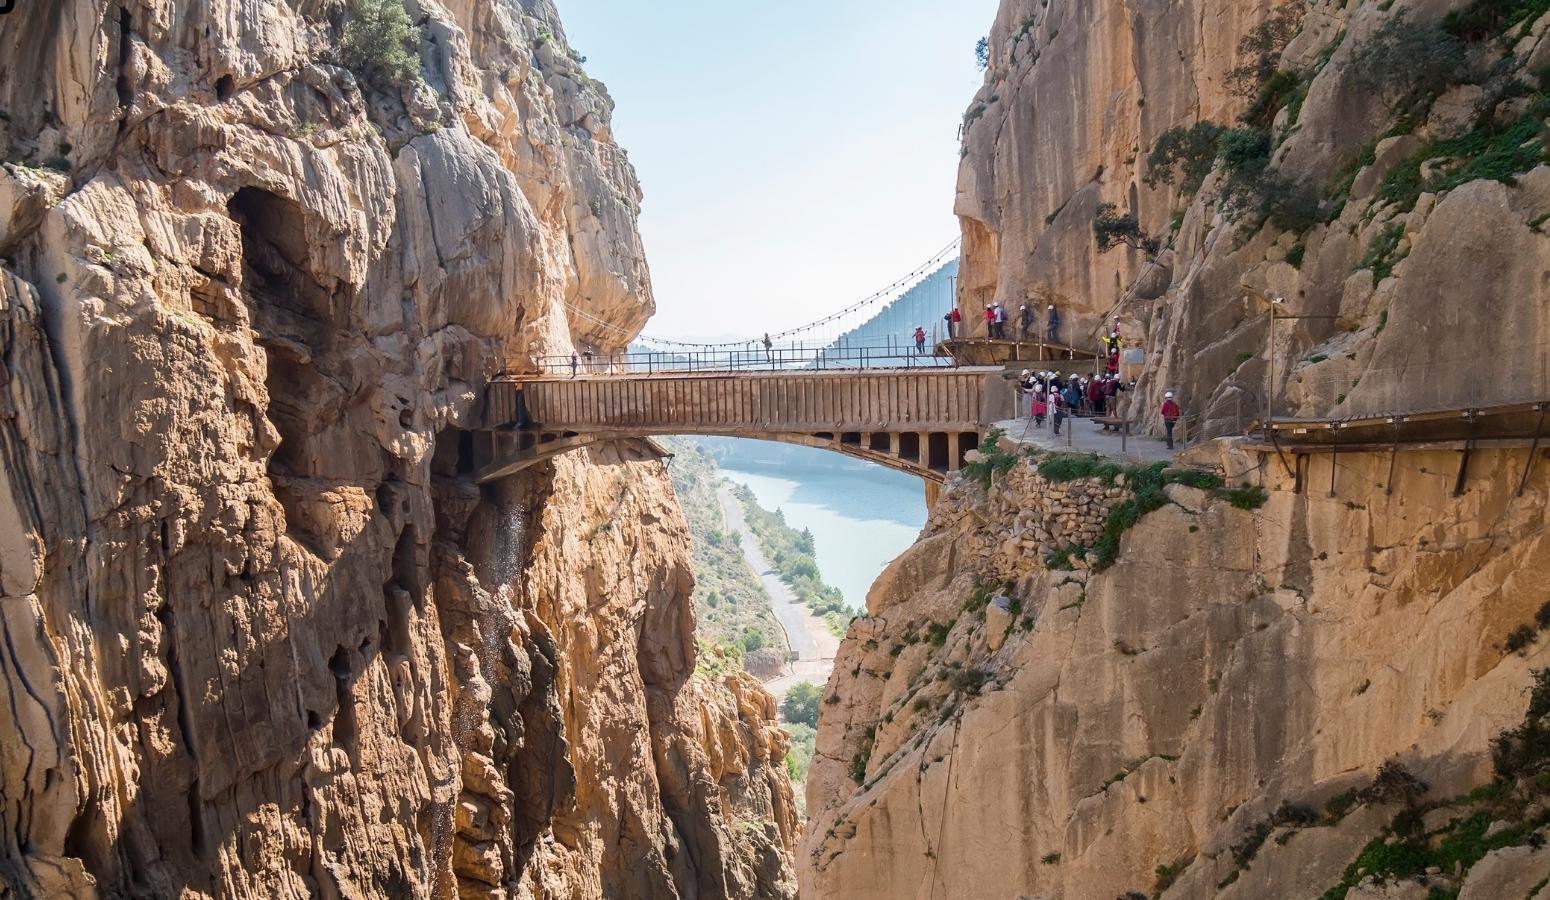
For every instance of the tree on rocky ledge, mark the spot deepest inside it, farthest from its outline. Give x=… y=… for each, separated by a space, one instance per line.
x=1111 y=228
x=379 y=43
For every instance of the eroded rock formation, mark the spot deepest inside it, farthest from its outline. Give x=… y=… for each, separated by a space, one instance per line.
x=261 y=634
x=1071 y=690
x=1397 y=183
x=1218 y=702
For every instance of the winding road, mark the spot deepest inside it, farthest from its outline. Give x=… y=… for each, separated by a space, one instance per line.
x=806 y=634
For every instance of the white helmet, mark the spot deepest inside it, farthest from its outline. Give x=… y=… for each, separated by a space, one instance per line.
x=1168 y=395
x=1026 y=373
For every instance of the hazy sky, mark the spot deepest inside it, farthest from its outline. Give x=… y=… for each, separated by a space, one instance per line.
x=796 y=156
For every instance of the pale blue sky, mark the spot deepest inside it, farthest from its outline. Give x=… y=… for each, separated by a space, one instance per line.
x=795 y=157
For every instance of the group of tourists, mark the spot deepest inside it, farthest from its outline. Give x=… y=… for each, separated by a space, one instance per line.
x=1058 y=397
x=996 y=319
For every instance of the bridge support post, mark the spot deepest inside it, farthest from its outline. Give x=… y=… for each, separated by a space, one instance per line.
x=1533 y=452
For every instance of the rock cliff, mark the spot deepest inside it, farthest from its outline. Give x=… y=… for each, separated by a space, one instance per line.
x=261 y=634
x=1088 y=683
x=1366 y=161
x=1250 y=691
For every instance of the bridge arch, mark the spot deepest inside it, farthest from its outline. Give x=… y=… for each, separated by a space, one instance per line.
x=919 y=421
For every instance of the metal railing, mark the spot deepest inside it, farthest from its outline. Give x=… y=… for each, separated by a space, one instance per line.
x=884 y=355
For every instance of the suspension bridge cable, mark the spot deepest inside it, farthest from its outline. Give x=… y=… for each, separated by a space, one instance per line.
x=935 y=262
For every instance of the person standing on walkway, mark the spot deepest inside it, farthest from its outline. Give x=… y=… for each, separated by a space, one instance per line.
x=769 y=356
x=990 y=322
x=955 y=327
x=920 y=340
x=1095 y=396
x=1052 y=325
x=1025 y=321
x=1058 y=409
x=1000 y=320
x=1073 y=397
x=574 y=362
x=1170 y=415
x=950 y=321
x=1040 y=406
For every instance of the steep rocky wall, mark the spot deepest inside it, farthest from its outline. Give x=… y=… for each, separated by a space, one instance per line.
x=262 y=634
x=1414 y=294
x=1161 y=712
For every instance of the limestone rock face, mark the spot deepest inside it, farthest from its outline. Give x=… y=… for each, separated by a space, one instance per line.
x=261 y=634
x=1403 y=303
x=1229 y=666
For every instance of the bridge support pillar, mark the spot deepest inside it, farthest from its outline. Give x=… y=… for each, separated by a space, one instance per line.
x=933 y=493
x=954 y=455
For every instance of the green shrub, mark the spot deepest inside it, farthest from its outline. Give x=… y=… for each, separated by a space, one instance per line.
x=380 y=44
x=1254 y=190
x=859 y=762
x=1186 y=154
x=1295 y=255
x=1278 y=91
x=936 y=634
x=971 y=681
x=982 y=53
x=1168 y=874
x=1408 y=63
x=1520 y=638
x=1248 y=497
x=1488 y=18
x=1064 y=467
x=994 y=460
x=1380 y=253
x=801 y=704
x=1262 y=47
x=1111 y=228
x=1497 y=153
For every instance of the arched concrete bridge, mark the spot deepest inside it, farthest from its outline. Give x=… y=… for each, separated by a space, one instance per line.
x=920 y=421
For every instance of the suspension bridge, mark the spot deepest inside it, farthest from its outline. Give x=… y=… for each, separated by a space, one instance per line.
x=860 y=381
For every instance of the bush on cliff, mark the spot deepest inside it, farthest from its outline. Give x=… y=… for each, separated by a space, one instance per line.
x=379 y=44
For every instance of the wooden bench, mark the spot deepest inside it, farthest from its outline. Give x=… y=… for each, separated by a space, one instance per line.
x=1112 y=423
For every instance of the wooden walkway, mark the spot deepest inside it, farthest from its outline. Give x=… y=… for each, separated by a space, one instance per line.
x=1464 y=430
x=921 y=421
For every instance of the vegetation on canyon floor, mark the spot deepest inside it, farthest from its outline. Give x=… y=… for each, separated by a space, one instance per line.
x=730 y=605
x=792 y=554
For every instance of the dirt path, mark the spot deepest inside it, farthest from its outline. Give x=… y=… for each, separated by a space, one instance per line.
x=806 y=633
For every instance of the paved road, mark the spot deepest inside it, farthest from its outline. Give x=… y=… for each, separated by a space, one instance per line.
x=1082 y=435
x=806 y=634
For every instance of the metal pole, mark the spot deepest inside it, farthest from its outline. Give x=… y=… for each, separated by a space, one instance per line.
x=1533 y=451
x=1270 y=354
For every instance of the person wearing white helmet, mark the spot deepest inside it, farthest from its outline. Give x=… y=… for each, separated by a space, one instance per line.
x=1052 y=327
x=1025 y=321
x=1170 y=415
